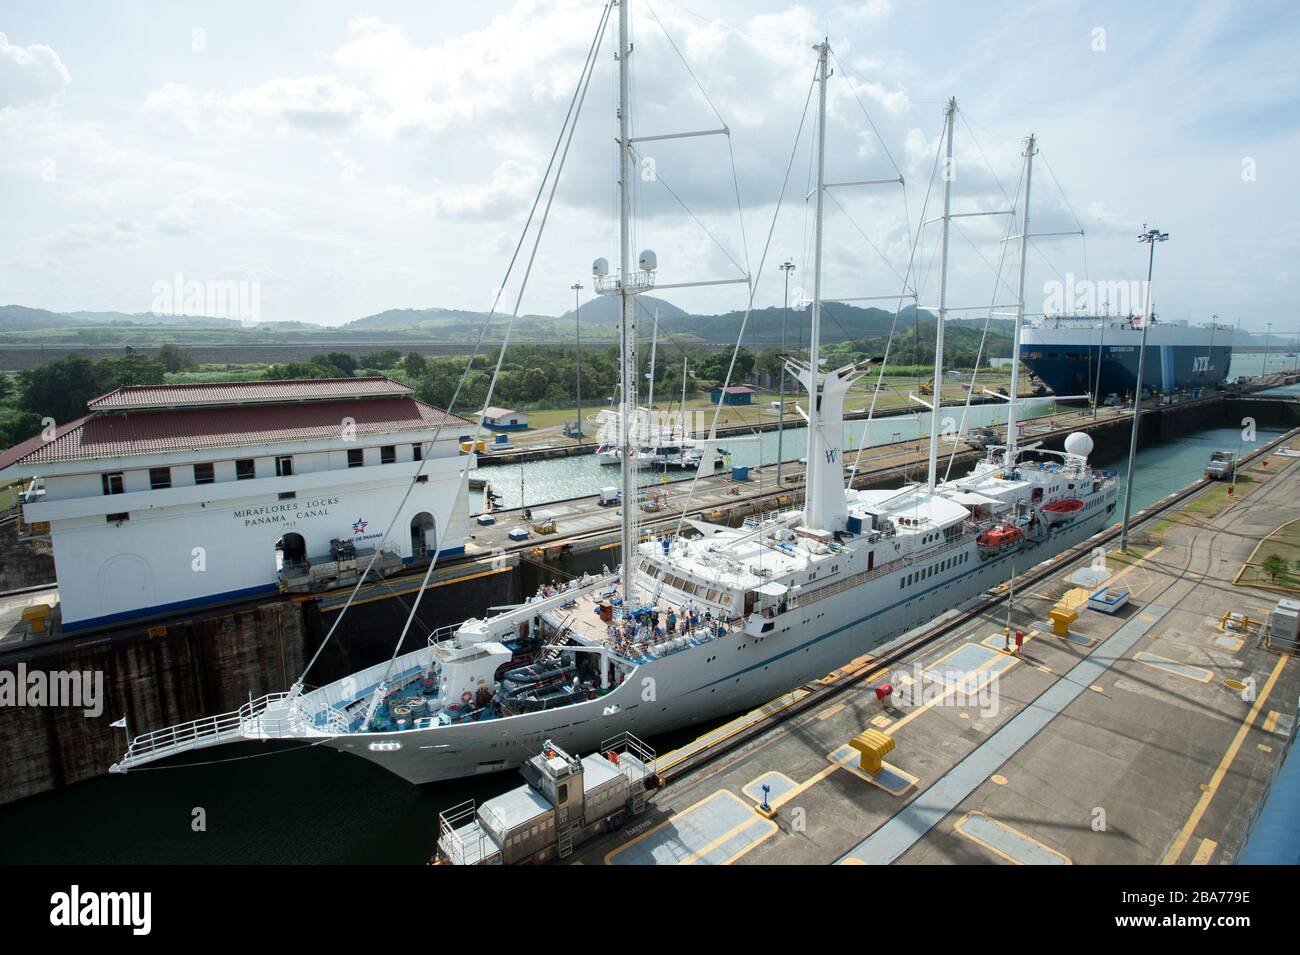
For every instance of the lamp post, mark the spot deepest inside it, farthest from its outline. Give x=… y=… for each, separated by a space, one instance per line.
x=1151 y=237
x=1268 y=333
x=787 y=267
x=577 y=330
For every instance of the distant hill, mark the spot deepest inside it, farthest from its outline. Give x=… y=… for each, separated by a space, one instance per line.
x=21 y=317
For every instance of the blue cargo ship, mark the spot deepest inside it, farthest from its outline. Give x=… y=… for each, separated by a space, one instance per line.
x=1098 y=356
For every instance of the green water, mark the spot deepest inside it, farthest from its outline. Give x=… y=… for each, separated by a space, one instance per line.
x=317 y=805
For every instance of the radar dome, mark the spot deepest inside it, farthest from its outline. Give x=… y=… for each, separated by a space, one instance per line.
x=1079 y=444
x=600 y=268
x=649 y=261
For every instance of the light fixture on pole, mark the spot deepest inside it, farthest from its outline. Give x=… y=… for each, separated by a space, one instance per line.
x=577 y=358
x=1151 y=237
x=1268 y=334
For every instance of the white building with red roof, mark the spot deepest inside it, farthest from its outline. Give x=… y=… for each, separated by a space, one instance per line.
x=164 y=497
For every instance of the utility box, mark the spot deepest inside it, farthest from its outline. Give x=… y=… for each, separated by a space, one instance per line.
x=1284 y=624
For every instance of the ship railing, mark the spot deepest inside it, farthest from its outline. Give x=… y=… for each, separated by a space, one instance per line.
x=443 y=634
x=196 y=734
x=475 y=848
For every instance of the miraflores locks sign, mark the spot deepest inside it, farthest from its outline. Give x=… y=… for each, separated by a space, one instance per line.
x=285 y=512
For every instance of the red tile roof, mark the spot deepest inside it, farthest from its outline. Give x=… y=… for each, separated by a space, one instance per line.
x=207 y=394
x=231 y=426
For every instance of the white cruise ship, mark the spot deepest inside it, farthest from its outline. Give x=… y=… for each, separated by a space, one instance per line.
x=702 y=622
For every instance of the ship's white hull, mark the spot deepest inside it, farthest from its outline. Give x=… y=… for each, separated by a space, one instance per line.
x=734 y=674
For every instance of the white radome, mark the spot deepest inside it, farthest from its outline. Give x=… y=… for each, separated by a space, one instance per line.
x=1079 y=444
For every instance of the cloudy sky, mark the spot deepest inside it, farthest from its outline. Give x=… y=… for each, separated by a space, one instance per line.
x=350 y=159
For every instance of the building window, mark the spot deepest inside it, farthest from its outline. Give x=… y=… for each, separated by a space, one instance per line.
x=117 y=518
x=160 y=479
x=113 y=482
x=387 y=454
x=417 y=452
x=204 y=474
x=284 y=466
x=245 y=469
x=356 y=457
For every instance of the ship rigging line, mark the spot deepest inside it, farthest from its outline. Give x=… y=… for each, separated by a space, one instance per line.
x=570 y=120
x=911 y=262
x=965 y=411
x=566 y=138
x=749 y=308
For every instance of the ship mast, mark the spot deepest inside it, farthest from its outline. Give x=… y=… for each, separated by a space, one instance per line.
x=943 y=296
x=627 y=304
x=1009 y=459
x=812 y=512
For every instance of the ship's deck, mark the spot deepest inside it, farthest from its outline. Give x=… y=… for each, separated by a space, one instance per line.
x=639 y=639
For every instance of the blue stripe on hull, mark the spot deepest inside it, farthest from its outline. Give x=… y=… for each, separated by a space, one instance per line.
x=1072 y=369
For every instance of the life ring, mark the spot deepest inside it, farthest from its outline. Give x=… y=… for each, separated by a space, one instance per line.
x=466 y=697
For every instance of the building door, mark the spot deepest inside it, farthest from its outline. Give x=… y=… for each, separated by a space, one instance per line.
x=125 y=584
x=424 y=536
x=290 y=550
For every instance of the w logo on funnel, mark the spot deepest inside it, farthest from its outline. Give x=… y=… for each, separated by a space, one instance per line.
x=359 y=527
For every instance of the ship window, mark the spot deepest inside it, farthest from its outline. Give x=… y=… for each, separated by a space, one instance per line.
x=388 y=454
x=117 y=518
x=160 y=479
x=245 y=469
x=204 y=474
x=113 y=482
x=356 y=457
x=284 y=466
x=417 y=452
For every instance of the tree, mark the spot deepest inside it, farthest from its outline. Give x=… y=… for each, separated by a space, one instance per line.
x=414 y=364
x=1275 y=565
x=294 y=370
x=387 y=358
x=340 y=363
x=175 y=358
x=59 y=389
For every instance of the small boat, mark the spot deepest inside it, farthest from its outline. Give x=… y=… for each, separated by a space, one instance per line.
x=1063 y=510
x=999 y=539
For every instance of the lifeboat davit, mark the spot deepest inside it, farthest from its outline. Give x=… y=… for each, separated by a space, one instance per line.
x=998 y=539
x=1062 y=510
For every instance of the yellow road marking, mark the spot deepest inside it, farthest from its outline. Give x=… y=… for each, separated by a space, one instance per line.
x=1207 y=795
x=830 y=711
x=1206 y=850
x=1270 y=722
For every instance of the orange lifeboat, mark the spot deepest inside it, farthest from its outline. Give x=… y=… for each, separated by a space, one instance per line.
x=998 y=539
x=1057 y=511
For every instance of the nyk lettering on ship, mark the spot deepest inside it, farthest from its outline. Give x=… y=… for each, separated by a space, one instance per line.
x=284 y=511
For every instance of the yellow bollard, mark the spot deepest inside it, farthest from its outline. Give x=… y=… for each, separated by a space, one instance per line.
x=873 y=745
x=36 y=616
x=1061 y=618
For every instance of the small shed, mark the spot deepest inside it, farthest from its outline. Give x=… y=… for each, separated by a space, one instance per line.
x=732 y=395
x=504 y=419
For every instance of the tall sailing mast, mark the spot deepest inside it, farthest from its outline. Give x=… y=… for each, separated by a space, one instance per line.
x=627 y=327
x=815 y=464
x=1009 y=460
x=936 y=397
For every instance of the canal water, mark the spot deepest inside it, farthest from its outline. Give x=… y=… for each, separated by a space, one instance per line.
x=261 y=804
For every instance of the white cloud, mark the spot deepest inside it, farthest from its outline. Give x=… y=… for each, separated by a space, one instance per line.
x=30 y=75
